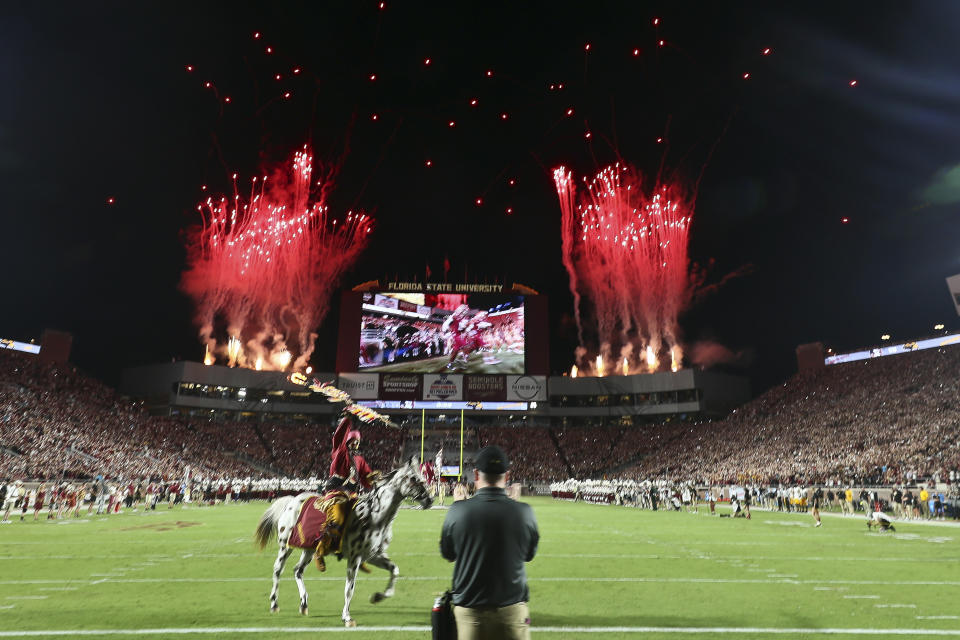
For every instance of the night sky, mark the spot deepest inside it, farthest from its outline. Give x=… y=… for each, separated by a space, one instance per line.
x=97 y=103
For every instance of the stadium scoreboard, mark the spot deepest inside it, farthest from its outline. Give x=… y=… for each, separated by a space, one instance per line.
x=411 y=345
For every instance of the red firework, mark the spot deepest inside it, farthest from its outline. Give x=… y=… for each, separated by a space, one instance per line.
x=625 y=249
x=268 y=264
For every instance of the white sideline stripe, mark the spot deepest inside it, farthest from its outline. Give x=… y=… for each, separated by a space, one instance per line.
x=784 y=581
x=535 y=630
x=27 y=597
x=895 y=606
x=861 y=597
x=599 y=556
x=938 y=617
x=697 y=554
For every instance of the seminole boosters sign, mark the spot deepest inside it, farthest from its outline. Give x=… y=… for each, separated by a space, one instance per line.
x=485 y=388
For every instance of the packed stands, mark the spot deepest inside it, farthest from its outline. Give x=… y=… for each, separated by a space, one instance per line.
x=55 y=421
x=878 y=421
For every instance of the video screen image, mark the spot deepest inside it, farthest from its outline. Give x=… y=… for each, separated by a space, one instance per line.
x=441 y=333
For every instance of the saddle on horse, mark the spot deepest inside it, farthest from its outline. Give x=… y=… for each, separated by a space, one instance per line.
x=321 y=524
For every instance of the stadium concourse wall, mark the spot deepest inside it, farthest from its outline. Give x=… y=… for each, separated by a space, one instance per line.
x=192 y=387
x=685 y=392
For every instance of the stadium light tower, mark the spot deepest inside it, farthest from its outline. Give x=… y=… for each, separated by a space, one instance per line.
x=938 y=327
x=885 y=336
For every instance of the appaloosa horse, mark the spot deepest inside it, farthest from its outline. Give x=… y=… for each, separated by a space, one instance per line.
x=366 y=537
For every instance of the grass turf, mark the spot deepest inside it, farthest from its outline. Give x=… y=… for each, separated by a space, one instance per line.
x=597 y=567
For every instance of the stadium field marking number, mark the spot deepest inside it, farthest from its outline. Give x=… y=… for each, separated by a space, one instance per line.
x=537 y=630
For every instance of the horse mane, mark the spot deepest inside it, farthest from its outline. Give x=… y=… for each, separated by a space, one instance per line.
x=388 y=476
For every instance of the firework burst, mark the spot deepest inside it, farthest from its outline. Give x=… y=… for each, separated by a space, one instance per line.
x=267 y=263
x=625 y=250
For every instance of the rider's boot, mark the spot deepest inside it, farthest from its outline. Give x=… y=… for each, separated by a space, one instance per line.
x=320 y=552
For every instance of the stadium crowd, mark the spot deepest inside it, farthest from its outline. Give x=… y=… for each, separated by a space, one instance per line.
x=889 y=420
x=57 y=422
x=884 y=420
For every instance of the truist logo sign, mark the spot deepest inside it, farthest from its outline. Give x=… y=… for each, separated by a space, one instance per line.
x=526 y=387
x=359 y=385
x=443 y=388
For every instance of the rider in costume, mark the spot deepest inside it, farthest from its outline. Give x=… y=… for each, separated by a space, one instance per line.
x=349 y=472
x=348 y=469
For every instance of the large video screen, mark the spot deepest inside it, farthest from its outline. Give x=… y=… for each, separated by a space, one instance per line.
x=441 y=333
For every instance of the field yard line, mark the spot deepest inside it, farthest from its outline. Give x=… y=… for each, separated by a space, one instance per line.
x=611 y=556
x=783 y=581
x=535 y=630
x=823 y=558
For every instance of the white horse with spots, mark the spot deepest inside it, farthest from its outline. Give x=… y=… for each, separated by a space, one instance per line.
x=366 y=537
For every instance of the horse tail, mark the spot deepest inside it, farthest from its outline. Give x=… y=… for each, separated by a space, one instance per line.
x=268 y=522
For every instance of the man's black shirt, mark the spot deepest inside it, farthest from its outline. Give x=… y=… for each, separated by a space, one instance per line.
x=489 y=537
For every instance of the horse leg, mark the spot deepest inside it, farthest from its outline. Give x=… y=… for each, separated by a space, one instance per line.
x=387 y=564
x=277 y=570
x=298 y=575
x=353 y=564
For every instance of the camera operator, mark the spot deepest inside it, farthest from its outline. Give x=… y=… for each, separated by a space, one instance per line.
x=490 y=537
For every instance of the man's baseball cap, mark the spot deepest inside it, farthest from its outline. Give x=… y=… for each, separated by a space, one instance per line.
x=492 y=460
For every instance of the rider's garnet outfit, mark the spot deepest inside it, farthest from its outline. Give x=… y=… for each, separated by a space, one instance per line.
x=343 y=460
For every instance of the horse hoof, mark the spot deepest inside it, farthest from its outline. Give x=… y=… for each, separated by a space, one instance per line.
x=350 y=623
x=304 y=611
x=274 y=609
x=377 y=597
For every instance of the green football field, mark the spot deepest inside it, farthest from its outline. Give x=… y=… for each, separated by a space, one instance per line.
x=601 y=572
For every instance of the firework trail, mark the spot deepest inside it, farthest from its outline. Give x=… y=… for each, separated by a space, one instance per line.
x=566 y=192
x=267 y=264
x=625 y=250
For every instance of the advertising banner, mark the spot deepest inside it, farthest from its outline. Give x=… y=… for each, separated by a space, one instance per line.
x=385 y=302
x=483 y=388
x=399 y=386
x=360 y=386
x=444 y=386
x=527 y=388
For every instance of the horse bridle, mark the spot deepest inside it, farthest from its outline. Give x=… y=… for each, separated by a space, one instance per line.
x=422 y=493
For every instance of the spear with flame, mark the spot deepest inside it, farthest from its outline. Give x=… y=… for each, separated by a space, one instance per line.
x=333 y=394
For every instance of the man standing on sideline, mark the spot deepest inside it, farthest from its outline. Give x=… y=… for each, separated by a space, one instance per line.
x=817 y=499
x=490 y=537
